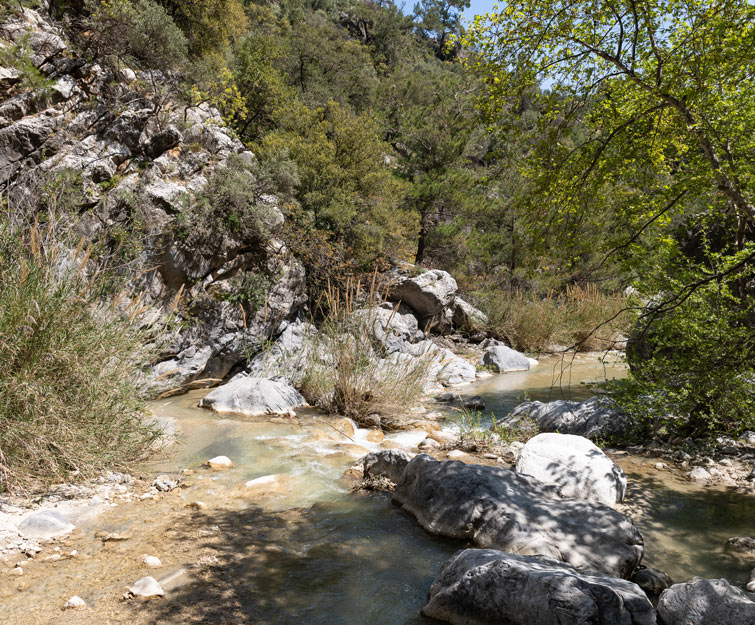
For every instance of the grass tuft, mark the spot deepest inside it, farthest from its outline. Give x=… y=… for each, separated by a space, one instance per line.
x=581 y=317
x=69 y=401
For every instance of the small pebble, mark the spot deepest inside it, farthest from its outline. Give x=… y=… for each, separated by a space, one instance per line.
x=218 y=463
x=17 y=571
x=152 y=561
x=75 y=603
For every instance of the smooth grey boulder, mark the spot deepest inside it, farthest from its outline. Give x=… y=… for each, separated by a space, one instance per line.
x=45 y=524
x=388 y=463
x=498 y=508
x=254 y=396
x=575 y=465
x=504 y=359
x=597 y=417
x=706 y=602
x=430 y=295
x=489 y=587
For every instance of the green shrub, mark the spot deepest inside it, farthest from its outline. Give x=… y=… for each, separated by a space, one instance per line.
x=231 y=203
x=474 y=432
x=69 y=401
x=137 y=32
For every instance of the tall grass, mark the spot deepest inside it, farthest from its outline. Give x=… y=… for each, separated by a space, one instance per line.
x=348 y=370
x=580 y=317
x=69 y=400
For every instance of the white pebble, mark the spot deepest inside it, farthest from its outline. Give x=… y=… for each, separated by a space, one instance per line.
x=75 y=602
x=152 y=561
x=218 y=463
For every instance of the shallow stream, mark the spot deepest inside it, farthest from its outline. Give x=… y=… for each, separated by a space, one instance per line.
x=300 y=548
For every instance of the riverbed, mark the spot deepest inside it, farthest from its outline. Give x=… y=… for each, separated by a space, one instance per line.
x=298 y=547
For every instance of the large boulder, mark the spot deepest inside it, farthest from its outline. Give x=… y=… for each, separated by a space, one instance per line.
x=388 y=463
x=254 y=396
x=596 y=418
x=287 y=356
x=466 y=317
x=504 y=359
x=489 y=587
x=430 y=295
x=443 y=366
x=706 y=602
x=575 y=465
x=498 y=508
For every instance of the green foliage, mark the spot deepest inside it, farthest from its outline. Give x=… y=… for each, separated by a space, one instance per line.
x=440 y=20
x=344 y=181
x=69 y=400
x=476 y=433
x=137 y=32
x=209 y=26
x=19 y=57
x=249 y=289
x=232 y=203
x=645 y=131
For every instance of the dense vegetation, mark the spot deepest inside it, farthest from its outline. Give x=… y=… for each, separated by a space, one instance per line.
x=549 y=157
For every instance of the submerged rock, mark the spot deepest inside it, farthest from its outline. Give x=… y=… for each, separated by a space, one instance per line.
x=489 y=587
x=254 y=397
x=504 y=359
x=597 y=417
x=575 y=465
x=706 y=602
x=498 y=508
x=45 y=524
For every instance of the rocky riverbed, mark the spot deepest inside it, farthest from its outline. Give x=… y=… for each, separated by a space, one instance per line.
x=279 y=537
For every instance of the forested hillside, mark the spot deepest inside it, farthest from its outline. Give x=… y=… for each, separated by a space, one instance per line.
x=231 y=166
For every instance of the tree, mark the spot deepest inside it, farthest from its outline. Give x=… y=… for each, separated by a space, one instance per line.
x=683 y=69
x=210 y=26
x=440 y=20
x=648 y=133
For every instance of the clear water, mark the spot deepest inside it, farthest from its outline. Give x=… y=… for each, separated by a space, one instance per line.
x=315 y=553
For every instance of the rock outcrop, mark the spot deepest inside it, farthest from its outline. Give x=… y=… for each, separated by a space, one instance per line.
x=498 y=508
x=253 y=397
x=489 y=587
x=136 y=157
x=595 y=418
x=433 y=298
x=576 y=466
x=706 y=602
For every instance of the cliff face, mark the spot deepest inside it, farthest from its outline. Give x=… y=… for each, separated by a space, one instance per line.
x=139 y=159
